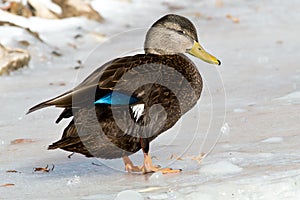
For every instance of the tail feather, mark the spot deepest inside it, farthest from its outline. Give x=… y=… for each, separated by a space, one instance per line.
x=37 y=107
x=63 y=100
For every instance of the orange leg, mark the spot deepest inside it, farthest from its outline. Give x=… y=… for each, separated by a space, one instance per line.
x=147 y=167
x=129 y=166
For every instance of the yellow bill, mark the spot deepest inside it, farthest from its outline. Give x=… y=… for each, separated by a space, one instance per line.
x=198 y=51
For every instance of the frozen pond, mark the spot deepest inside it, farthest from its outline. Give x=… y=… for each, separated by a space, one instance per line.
x=257 y=156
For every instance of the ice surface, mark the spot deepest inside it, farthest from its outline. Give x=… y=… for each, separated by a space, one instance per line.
x=260 y=72
x=129 y=194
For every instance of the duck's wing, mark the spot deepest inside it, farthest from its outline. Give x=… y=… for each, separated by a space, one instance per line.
x=98 y=84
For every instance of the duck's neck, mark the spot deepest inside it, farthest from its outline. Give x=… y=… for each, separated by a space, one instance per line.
x=156 y=51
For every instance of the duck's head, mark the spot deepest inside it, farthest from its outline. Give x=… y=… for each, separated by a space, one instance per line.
x=174 y=34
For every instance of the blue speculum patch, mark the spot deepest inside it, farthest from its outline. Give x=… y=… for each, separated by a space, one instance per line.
x=116 y=98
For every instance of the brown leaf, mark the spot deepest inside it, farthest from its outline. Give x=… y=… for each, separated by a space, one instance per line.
x=198 y=158
x=233 y=19
x=18 y=8
x=11 y=171
x=43 y=169
x=172 y=7
x=7 y=185
x=21 y=141
x=58 y=83
x=175 y=156
x=219 y=3
x=41 y=10
x=24 y=43
x=56 y=53
x=198 y=14
x=12 y=59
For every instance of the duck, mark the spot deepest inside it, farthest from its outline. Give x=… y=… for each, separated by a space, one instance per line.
x=121 y=107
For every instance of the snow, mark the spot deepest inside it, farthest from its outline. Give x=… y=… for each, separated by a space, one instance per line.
x=256 y=157
x=74 y=180
x=129 y=194
x=225 y=129
x=239 y=110
x=273 y=140
x=220 y=168
x=52 y=6
x=157 y=178
x=293 y=97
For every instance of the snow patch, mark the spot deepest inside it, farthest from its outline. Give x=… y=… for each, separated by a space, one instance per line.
x=291 y=97
x=75 y=180
x=273 y=140
x=129 y=194
x=239 y=110
x=157 y=179
x=52 y=6
x=225 y=129
x=220 y=168
x=199 y=195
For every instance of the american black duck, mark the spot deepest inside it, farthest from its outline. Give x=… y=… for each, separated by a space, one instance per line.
x=126 y=103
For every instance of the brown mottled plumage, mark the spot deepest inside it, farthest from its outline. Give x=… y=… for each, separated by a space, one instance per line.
x=164 y=83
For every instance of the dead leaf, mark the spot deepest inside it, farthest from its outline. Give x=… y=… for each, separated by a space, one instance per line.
x=175 y=156
x=24 y=43
x=77 y=67
x=198 y=14
x=172 y=7
x=78 y=36
x=58 y=83
x=219 y=3
x=150 y=189
x=7 y=185
x=43 y=169
x=73 y=8
x=70 y=156
x=12 y=59
x=12 y=171
x=99 y=36
x=21 y=141
x=18 y=8
x=233 y=19
x=198 y=158
x=56 y=53
x=39 y=9
x=155 y=157
x=74 y=46
x=99 y=165
x=70 y=8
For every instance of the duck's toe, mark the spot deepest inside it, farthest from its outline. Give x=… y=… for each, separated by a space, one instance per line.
x=150 y=168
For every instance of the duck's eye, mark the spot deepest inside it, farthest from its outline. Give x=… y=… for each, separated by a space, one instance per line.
x=181 y=32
